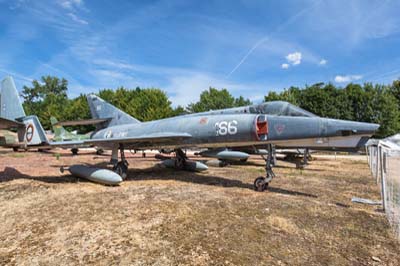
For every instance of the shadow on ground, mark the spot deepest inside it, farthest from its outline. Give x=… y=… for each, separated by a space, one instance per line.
x=153 y=173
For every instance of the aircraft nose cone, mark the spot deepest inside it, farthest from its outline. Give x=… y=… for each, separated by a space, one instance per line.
x=346 y=128
x=368 y=127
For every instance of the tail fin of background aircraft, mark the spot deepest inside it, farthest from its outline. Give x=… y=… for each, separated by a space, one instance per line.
x=34 y=133
x=103 y=110
x=58 y=130
x=10 y=105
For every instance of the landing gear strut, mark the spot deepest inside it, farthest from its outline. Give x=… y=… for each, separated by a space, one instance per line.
x=180 y=160
x=121 y=167
x=261 y=183
x=306 y=155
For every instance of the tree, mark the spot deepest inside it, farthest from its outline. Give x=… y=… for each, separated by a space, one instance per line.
x=78 y=109
x=151 y=104
x=46 y=98
x=213 y=99
x=179 y=110
x=381 y=107
x=143 y=104
x=241 y=101
x=395 y=90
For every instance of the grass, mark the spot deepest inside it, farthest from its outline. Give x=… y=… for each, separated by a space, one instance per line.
x=164 y=217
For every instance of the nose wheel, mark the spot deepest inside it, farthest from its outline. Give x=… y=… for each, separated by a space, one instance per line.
x=261 y=183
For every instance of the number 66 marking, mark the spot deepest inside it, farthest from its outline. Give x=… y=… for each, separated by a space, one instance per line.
x=224 y=128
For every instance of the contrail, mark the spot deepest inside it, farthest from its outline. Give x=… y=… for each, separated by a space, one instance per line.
x=386 y=75
x=264 y=39
x=15 y=75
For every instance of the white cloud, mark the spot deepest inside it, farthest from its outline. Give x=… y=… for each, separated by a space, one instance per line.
x=347 y=78
x=71 y=4
x=113 y=64
x=285 y=66
x=294 y=58
x=77 y=19
x=323 y=62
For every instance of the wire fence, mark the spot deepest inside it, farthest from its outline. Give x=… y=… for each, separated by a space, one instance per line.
x=384 y=161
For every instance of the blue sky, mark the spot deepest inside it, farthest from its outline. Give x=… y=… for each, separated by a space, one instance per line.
x=183 y=47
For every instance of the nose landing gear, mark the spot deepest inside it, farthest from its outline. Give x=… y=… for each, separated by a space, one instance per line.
x=261 y=183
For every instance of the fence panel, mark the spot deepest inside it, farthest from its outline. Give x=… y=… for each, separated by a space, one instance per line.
x=391 y=177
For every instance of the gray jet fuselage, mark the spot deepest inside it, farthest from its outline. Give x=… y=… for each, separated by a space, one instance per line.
x=235 y=130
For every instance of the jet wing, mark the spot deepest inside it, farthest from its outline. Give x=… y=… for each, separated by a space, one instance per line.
x=9 y=124
x=152 y=139
x=83 y=122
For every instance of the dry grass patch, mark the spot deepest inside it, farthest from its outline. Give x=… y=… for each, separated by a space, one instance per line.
x=282 y=224
x=163 y=217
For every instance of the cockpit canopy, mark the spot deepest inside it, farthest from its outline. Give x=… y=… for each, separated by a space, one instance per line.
x=280 y=108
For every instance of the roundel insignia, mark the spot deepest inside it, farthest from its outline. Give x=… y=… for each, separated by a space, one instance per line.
x=29 y=132
x=279 y=128
x=203 y=121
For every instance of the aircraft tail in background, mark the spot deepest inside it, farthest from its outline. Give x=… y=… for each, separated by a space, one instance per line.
x=10 y=104
x=59 y=131
x=34 y=133
x=103 y=110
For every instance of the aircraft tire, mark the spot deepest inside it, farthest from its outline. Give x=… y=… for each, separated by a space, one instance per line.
x=74 y=151
x=259 y=184
x=15 y=149
x=121 y=169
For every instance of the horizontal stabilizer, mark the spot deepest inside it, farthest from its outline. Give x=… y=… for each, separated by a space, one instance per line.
x=83 y=122
x=9 y=124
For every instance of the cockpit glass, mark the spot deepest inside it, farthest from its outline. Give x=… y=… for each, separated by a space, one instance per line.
x=281 y=108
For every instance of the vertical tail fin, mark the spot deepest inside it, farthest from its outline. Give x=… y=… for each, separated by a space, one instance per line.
x=59 y=131
x=10 y=105
x=34 y=133
x=101 y=109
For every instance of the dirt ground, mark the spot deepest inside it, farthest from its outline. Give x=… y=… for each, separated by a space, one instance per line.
x=163 y=217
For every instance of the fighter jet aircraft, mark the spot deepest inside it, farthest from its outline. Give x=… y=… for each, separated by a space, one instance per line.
x=118 y=131
x=61 y=134
x=351 y=142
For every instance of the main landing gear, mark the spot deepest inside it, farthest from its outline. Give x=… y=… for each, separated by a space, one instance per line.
x=180 y=159
x=261 y=183
x=74 y=151
x=120 y=167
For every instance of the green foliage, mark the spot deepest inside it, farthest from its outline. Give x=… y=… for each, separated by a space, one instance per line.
x=143 y=104
x=77 y=109
x=179 y=110
x=46 y=98
x=395 y=90
x=213 y=99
